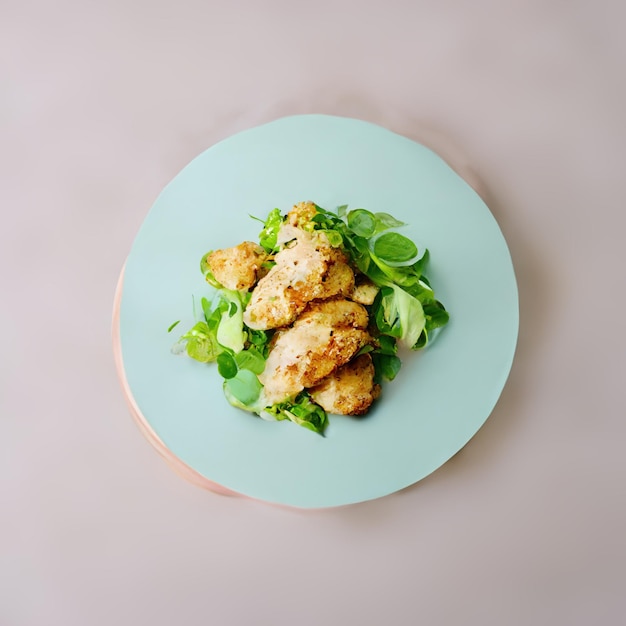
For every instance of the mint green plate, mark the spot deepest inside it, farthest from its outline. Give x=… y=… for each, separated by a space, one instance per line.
x=442 y=395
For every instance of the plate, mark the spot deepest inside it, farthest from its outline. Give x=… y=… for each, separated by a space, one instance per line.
x=442 y=394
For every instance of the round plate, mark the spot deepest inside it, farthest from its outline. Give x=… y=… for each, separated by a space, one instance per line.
x=442 y=395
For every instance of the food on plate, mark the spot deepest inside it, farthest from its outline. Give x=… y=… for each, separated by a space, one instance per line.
x=308 y=321
x=350 y=389
x=238 y=268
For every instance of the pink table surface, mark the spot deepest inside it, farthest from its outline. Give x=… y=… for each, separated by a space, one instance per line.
x=181 y=468
x=102 y=104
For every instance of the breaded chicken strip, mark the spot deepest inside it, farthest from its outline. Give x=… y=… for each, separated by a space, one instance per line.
x=326 y=336
x=339 y=281
x=349 y=390
x=307 y=268
x=365 y=290
x=336 y=313
x=237 y=268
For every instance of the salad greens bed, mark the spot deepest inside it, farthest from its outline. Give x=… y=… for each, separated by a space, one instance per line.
x=404 y=313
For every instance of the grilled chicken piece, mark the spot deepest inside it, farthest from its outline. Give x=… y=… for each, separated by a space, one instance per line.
x=237 y=268
x=350 y=389
x=326 y=336
x=364 y=290
x=339 y=281
x=307 y=268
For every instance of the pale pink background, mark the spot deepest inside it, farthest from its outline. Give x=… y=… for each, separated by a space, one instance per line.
x=102 y=103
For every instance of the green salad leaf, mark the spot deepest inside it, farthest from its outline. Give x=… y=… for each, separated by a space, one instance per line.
x=173 y=326
x=302 y=411
x=385 y=358
x=230 y=332
x=220 y=330
x=200 y=343
x=244 y=391
x=260 y=339
x=250 y=359
x=269 y=235
x=362 y=223
x=393 y=248
x=399 y=314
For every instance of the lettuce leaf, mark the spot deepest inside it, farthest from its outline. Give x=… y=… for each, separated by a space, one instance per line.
x=399 y=314
x=301 y=410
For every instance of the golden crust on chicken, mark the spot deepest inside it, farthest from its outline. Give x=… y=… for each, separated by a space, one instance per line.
x=350 y=389
x=364 y=291
x=335 y=313
x=339 y=281
x=237 y=268
x=307 y=268
x=326 y=336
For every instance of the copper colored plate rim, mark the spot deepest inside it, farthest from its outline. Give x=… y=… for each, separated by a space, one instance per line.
x=179 y=466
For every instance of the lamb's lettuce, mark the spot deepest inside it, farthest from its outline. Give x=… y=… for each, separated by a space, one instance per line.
x=243 y=391
x=399 y=314
x=268 y=237
x=387 y=364
x=407 y=308
x=301 y=410
x=239 y=352
x=199 y=343
x=221 y=329
x=230 y=332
